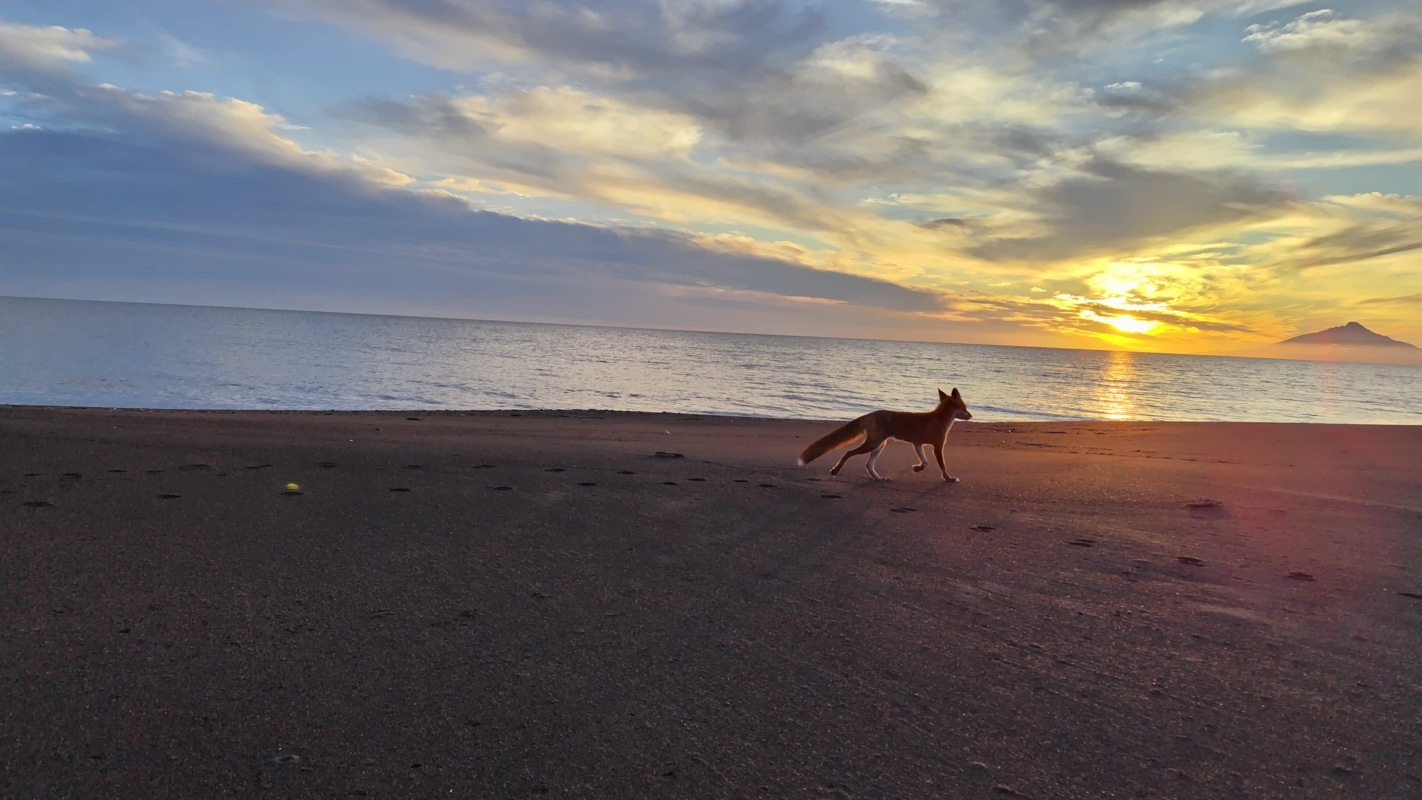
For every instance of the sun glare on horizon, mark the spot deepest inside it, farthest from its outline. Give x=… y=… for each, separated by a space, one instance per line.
x=1125 y=323
x=1130 y=324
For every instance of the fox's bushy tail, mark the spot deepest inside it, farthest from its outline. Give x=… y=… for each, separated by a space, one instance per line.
x=842 y=435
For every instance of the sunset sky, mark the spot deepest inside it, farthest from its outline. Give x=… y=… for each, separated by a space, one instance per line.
x=1196 y=176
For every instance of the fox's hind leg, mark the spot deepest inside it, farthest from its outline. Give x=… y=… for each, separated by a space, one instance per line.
x=922 y=462
x=873 y=459
x=868 y=445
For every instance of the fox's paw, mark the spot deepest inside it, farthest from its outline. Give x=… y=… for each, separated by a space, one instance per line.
x=919 y=467
x=949 y=479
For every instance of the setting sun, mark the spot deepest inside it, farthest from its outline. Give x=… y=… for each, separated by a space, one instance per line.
x=1125 y=323
x=1130 y=324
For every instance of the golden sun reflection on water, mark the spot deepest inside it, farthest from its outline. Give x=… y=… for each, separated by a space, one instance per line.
x=1113 y=394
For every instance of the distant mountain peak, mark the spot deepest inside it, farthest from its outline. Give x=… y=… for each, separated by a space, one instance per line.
x=1351 y=335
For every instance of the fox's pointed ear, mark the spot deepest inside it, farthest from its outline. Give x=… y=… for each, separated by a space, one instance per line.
x=956 y=396
x=941 y=396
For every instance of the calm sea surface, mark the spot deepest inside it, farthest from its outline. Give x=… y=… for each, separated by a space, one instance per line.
x=74 y=353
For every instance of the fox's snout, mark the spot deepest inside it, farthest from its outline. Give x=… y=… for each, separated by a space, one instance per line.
x=965 y=414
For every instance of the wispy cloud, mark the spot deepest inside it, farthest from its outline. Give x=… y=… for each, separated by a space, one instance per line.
x=1411 y=299
x=36 y=46
x=633 y=39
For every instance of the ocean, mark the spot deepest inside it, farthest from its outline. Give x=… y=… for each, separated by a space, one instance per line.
x=131 y=355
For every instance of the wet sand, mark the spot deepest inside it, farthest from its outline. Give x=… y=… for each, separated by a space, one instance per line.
x=627 y=605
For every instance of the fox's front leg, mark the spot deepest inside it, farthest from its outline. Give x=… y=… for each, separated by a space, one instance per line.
x=938 y=455
x=922 y=462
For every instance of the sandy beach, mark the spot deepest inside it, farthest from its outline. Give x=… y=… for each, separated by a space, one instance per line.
x=630 y=605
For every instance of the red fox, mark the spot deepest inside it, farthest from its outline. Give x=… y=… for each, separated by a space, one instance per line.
x=918 y=428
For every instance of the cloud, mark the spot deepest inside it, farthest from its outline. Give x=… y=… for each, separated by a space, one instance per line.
x=1110 y=206
x=760 y=75
x=36 y=47
x=189 y=189
x=1323 y=72
x=629 y=39
x=547 y=142
x=1312 y=31
x=1411 y=299
x=1355 y=228
x=195 y=116
x=832 y=86
x=1042 y=30
x=945 y=222
x=554 y=122
x=1359 y=242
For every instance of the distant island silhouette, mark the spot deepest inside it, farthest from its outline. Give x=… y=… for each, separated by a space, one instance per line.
x=1351 y=335
x=1351 y=342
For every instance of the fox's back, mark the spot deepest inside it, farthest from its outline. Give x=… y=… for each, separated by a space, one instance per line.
x=914 y=427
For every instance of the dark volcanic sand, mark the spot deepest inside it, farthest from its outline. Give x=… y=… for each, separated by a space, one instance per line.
x=495 y=606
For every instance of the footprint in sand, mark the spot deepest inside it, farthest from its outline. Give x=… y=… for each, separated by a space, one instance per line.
x=502 y=488
x=1206 y=509
x=832 y=496
x=195 y=468
x=117 y=471
x=74 y=475
x=1413 y=595
x=37 y=504
x=399 y=488
x=1082 y=543
x=169 y=496
x=663 y=454
x=555 y=469
x=33 y=474
x=291 y=493
x=625 y=472
x=768 y=486
x=1190 y=560
x=1299 y=576
x=152 y=471
x=482 y=466
x=258 y=466
x=412 y=419
x=669 y=483
x=740 y=480
x=904 y=510
x=983 y=528
x=413 y=466
x=586 y=483
x=326 y=464
x=697 y=480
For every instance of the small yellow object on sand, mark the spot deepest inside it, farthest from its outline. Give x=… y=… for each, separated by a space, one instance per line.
x=291 y=487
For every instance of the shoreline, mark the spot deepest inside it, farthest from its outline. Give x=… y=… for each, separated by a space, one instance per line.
x=643 y=605
x=599 y=413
